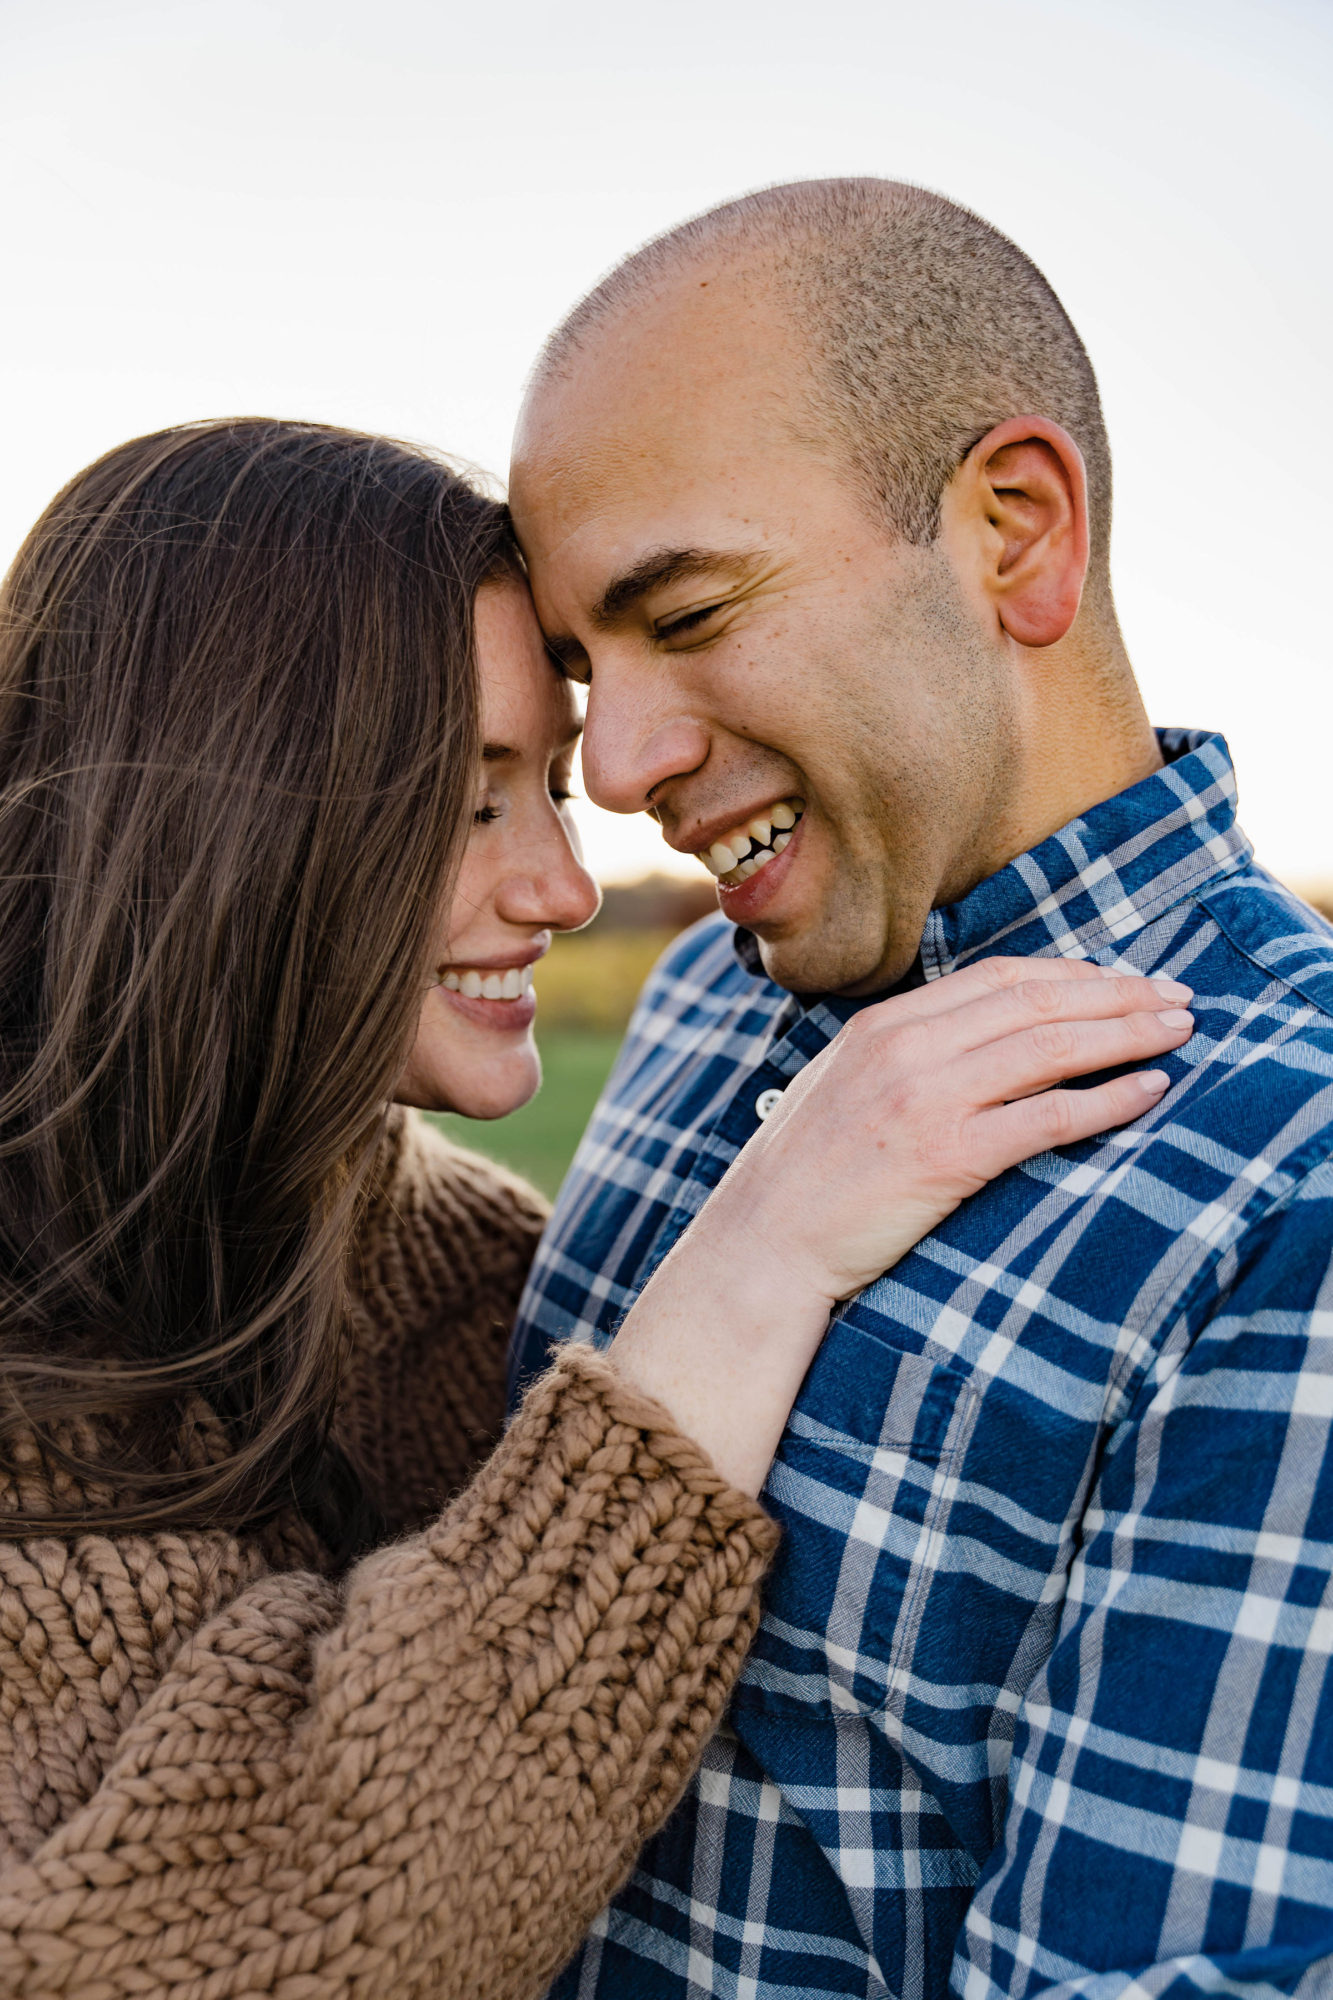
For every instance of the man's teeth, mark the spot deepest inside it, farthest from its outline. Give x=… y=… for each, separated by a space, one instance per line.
x=752 y=846
x=514 y=984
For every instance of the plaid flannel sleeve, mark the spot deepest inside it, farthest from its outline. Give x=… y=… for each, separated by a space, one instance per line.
x=1169 y=1828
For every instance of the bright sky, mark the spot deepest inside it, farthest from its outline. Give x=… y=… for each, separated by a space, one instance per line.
x=373 y=214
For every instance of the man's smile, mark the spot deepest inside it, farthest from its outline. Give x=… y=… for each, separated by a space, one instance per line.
x=745 y=849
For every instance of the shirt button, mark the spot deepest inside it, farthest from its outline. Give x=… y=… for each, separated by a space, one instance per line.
x=766 y=1104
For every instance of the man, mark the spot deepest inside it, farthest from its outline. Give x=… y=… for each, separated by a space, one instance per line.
x=816 y=497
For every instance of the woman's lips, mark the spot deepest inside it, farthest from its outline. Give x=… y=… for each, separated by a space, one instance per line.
x=500 y=997
x=512 y=1017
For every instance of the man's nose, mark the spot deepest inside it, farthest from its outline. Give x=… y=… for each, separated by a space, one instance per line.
x=630 y=749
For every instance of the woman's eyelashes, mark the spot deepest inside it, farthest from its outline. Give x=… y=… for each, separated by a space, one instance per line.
x=560 y=791
x=560 y=779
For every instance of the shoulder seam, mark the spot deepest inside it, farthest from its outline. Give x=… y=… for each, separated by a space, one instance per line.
x=1271 y=972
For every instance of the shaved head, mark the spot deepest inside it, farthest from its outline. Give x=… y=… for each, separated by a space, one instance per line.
x=923 y=327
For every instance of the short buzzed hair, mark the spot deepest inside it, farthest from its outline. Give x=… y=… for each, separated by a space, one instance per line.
x=924 y=325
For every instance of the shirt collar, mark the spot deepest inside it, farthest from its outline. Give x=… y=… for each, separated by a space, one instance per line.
x=1085 y=890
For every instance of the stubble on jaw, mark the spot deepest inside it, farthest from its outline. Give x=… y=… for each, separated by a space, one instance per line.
x=927 y=715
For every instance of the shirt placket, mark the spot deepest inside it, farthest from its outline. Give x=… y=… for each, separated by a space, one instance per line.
x=799 y=1034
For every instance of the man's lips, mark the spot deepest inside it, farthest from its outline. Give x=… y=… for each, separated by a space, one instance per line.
x=742 y=847
x=746 y=902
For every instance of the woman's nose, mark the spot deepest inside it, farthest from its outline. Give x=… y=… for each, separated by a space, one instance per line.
x=555 y=890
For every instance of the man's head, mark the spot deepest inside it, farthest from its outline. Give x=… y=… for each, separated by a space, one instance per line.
x=810 y=489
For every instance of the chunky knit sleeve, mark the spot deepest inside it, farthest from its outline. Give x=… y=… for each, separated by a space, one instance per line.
x=426 y=1780
x=440 y=1262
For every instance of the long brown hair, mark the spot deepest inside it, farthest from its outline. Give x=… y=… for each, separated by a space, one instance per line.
x=238 y=740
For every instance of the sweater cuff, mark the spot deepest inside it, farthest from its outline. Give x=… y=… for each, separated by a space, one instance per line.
x=585 y=1451
x=585 y=1380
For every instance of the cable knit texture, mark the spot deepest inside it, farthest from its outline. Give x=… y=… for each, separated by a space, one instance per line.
x=225 y=1772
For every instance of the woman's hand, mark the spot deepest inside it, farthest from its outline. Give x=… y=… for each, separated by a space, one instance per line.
x=914 y=1106
x=924 y=1098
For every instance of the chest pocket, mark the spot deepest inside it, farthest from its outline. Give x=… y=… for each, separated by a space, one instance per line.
x=863 y=1485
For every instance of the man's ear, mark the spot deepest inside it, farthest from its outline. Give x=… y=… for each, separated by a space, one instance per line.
x=1020 y=500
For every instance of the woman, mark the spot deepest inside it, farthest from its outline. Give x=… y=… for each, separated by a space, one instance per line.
x=271 y=863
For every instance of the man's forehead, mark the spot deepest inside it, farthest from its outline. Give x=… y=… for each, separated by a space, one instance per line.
x=599 y=568
x=661 y=497
x=583 y=525
x=584 y=439
x=659 y=383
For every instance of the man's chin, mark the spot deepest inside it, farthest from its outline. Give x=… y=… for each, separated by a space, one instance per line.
x=821 y=964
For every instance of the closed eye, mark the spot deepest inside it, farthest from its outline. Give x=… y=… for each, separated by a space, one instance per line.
x=688 y=621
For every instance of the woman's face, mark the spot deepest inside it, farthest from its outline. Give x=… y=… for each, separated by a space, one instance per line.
x=522 y=878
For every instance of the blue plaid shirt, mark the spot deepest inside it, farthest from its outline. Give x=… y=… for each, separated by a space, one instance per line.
x=1041 y=1701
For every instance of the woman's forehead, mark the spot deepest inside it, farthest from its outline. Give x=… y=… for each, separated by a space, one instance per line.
x=527 y=704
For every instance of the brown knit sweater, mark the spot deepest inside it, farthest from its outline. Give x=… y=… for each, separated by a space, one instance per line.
x=224 y=1773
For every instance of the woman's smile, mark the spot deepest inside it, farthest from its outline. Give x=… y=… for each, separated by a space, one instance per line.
x=499 y=997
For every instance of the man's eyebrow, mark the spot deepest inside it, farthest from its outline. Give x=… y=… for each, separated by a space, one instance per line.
x=661 y=567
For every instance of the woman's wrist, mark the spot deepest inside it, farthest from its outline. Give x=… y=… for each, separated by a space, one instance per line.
x=722 y=1336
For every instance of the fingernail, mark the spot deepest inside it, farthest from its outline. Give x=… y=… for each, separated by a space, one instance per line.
x=1171 y=989
x=1154 y=1081
x=1176 y=1017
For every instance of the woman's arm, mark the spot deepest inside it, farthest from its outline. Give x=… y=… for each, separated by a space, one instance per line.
x=429 y=1780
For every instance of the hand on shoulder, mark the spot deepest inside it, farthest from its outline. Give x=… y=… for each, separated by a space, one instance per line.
x=915 y=1105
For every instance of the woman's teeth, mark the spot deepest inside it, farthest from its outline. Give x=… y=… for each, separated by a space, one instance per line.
x=743 y=852
x=514 y=984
